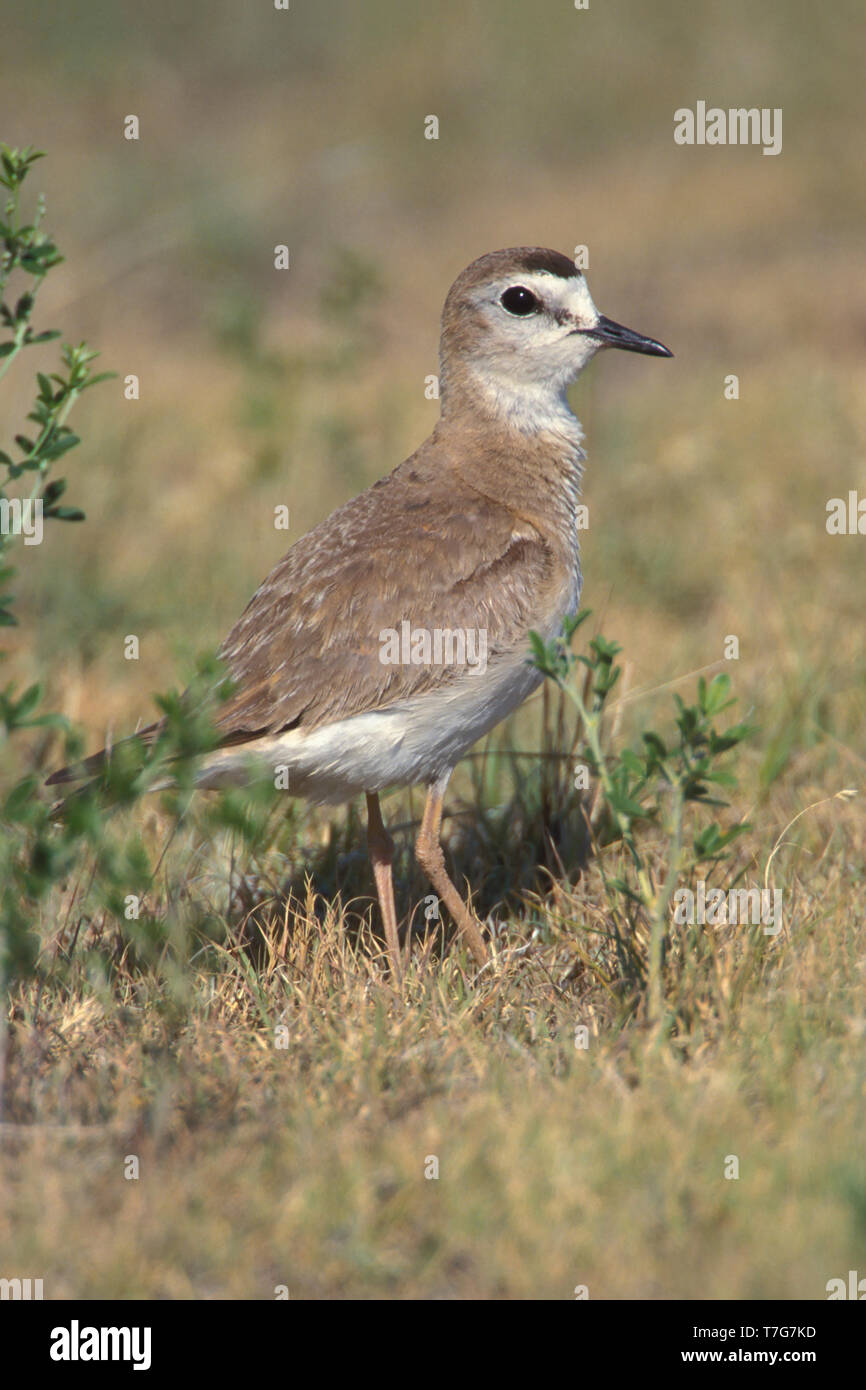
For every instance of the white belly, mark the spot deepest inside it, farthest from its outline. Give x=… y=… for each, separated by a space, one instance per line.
x=413 y=741
x=416 y=740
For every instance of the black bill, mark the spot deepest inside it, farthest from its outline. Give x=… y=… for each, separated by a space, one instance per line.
x=612 y=334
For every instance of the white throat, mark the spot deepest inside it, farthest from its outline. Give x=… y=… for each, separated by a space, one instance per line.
x=531 y=408
x=521 y=367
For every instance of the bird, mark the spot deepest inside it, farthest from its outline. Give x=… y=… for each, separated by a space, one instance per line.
x=395 y=634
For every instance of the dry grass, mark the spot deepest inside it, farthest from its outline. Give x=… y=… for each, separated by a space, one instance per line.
x=304 y=1166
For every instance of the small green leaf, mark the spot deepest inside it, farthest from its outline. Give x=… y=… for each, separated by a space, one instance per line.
x=66 y=514
x=714 y=697
x=54 y=491
x=28 y=702
x=631 y=761
x=60 y=446
x=19 y=799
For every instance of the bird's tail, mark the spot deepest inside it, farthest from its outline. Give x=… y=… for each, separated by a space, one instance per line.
x=91 y=766
x=89 y=770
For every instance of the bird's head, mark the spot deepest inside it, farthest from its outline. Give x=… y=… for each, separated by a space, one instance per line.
x=518 y=327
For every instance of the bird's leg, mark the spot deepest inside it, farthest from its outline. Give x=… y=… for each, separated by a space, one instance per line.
x=428 y=852
x=381 y=848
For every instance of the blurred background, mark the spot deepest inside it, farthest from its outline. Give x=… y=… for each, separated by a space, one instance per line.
x=260 y=387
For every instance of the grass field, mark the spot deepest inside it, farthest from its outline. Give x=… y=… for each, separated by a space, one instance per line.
x=286 y=1106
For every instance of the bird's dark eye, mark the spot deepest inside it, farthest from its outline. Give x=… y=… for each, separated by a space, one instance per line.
x=517 y=299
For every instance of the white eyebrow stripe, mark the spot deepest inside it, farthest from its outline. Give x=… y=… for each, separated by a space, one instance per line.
x=572 y=294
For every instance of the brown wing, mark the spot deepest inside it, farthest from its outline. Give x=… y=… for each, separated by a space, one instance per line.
x=420 y=545
x=307 y=649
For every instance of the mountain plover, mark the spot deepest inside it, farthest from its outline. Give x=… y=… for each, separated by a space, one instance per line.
x=394 y=635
